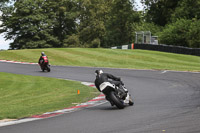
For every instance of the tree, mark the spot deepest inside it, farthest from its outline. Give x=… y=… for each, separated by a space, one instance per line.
x=92 y=19
x=187 y=9
x=179 y=19
x=63 y=15
x=28 y=26
x=5 y=12
x=193 y=35
x=175 y=33
x=72 y=41
x=183 y=32
x=160 y=11
x=118 y=26
x=38 y=23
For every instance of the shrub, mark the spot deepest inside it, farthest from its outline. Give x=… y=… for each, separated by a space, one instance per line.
x=72 y=41
x=193 y=36
x=176 y=33
x=182 y=33
x=95 y=43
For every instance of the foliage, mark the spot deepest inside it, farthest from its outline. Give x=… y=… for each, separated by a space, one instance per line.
x=95 y=43
x=62 y=15
x=92 y=20
x=72 y=41
x=182 y=33
x=187 y=9
x=27 y=25
x=94 y=23
x=193 y=35
x=119 y=23
x=38 y=24
x=160 y=11
x=53 y=23
x=176 y=33
x=179 y=19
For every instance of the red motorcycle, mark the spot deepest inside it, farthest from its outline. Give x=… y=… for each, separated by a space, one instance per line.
x=44 y=64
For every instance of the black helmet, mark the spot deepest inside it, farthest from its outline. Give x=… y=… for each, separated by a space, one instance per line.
x=98 y=72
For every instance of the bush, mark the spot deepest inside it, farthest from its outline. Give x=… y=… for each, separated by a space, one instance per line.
x=193 y=36
x=176 y=33
x=182 y=33
x=95 y=43
x=72 y=41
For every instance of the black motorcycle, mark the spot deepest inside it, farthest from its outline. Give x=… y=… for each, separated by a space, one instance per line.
x=115 y=95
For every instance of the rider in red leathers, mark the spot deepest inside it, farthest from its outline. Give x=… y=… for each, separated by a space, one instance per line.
x=43 y=60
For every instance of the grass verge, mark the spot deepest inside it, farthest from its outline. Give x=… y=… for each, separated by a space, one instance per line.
x=23 y=96
x=114 y=58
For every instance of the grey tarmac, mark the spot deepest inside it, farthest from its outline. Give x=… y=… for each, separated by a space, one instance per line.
x=165 y=102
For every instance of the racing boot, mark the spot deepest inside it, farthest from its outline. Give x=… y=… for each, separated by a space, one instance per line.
x=128 y=100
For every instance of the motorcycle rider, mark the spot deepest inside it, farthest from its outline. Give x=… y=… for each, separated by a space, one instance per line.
x=106 y=77
x=43 y=59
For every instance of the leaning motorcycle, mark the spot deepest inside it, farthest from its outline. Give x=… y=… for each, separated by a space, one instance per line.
x=115 y=95
x=45 y=66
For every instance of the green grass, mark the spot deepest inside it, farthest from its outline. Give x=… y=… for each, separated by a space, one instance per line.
x=23 y=96
x=114 y=58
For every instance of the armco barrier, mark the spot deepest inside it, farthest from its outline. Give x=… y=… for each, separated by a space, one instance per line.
x=163 y=48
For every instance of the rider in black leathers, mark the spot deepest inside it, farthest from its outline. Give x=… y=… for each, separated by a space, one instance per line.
x=106 y=77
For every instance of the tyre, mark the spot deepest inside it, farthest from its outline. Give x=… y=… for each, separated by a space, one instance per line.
x=48 y=69
x=116 y=100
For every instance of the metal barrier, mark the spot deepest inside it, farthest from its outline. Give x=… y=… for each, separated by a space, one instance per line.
x=162 y=48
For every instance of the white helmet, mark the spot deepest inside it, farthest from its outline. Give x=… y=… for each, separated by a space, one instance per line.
x=98 y=72
x=42 y=53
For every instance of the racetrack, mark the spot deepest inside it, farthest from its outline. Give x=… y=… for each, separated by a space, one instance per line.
x=165 y=101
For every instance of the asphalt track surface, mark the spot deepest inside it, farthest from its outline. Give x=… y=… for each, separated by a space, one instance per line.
x=165 y=102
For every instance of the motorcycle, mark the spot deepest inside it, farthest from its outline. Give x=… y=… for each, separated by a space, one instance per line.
x=115 y=95
x=45 y=66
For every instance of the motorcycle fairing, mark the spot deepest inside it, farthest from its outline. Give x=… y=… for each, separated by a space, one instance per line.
x=106 y=84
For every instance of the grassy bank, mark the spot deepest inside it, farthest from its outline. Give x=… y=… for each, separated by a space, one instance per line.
x=22 y=96
x=115 y=58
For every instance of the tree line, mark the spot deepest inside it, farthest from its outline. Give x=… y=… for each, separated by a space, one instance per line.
x=97 y=23
x=177 y=21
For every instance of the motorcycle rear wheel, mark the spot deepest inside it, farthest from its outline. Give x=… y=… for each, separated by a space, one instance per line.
x=48 y=69
x=116 y=100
